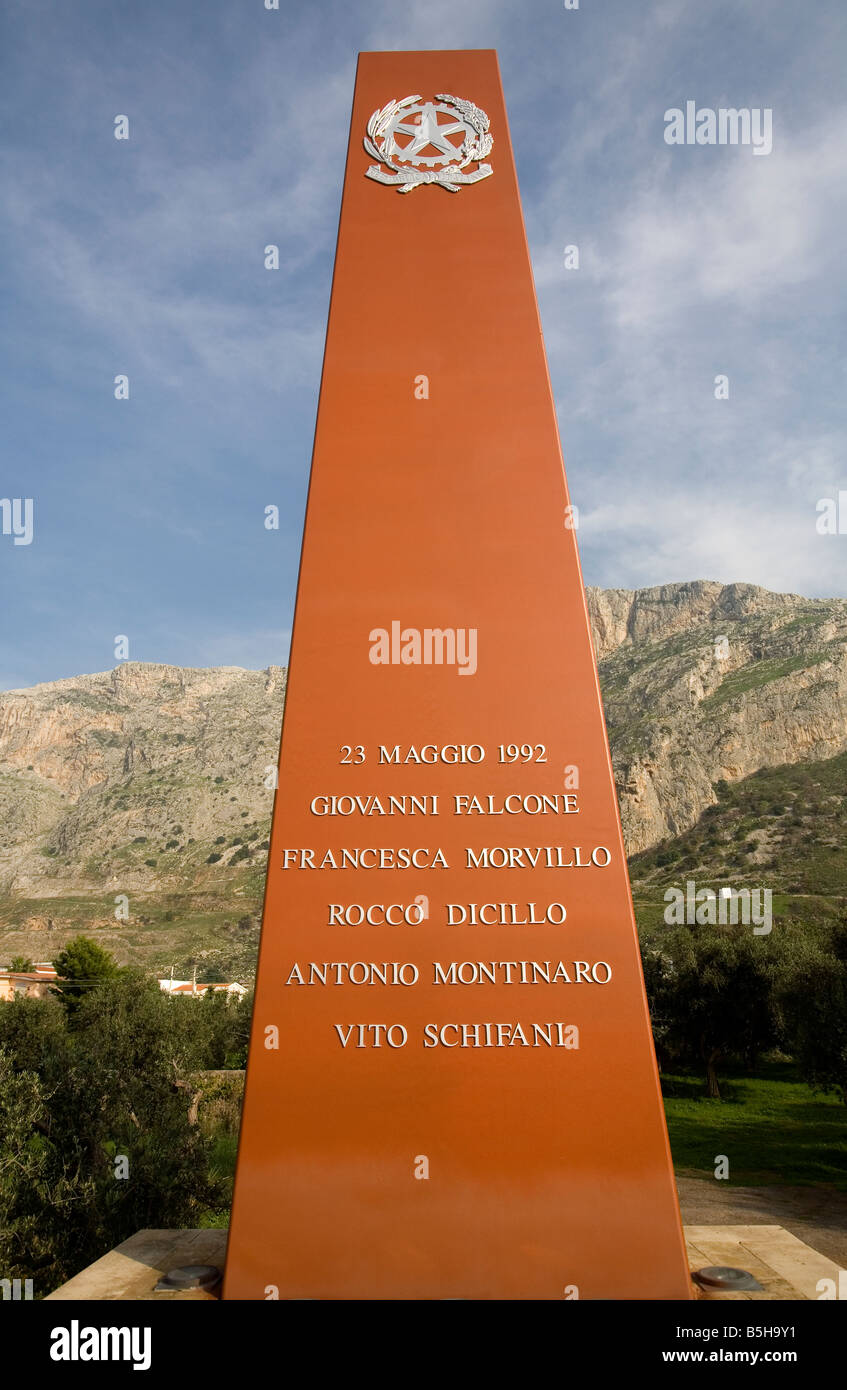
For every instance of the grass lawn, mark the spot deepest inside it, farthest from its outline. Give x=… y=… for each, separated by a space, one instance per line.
x=222 y=1166
x=772 y=1127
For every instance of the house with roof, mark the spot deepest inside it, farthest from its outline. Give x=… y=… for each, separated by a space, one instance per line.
x=29 y=984
x=195 y=990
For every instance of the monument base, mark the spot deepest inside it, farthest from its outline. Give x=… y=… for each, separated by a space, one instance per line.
x=785 y=1266
x=133 y=1269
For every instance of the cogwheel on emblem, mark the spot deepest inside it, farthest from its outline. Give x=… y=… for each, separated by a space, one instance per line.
x=425 y=132
x=428 y=142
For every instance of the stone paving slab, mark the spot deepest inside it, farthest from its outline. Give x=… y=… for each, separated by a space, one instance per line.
x=132 y=1269
x=817 y=1215
x=785 y=1266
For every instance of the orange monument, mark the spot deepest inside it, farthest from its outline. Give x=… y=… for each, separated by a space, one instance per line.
x=452 y=1091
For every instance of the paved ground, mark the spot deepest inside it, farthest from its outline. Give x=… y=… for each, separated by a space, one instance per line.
x=817 y=1215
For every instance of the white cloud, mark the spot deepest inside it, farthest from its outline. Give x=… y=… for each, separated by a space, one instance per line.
x=252 y=649
x=708 y=261
x=171 y=271
x=740 y=233
x=695 y=537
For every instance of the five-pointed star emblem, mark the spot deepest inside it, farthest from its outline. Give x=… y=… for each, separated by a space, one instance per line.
x=427 y=131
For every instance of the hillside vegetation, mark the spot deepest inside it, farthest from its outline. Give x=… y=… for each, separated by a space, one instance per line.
x=727 y=716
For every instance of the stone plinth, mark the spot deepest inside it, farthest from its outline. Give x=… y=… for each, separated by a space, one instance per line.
x=785 y=1266
x=132 y=1270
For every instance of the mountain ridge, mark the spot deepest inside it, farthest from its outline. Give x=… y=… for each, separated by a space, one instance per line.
x=154 y=779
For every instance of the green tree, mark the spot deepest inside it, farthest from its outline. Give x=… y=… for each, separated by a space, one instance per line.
x=223 y=1026
x=34 y=1035
x=211 y=975
x=25 y=1173
x=22 y=963
x=98 y=1132
x=81 y=967
x=812 y=995
x=241 y=1020
x=711 y=996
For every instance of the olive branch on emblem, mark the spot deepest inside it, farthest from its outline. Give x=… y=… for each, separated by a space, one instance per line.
x=474 y=148
x=378 y=126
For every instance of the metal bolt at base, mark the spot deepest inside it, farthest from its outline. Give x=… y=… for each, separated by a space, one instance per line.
x=189 y=1277
x=727 y=1278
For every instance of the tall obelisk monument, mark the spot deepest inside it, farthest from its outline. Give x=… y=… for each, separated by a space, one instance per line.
x=451 y=1091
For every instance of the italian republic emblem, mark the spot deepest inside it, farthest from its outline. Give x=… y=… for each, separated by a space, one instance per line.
x=436 y=141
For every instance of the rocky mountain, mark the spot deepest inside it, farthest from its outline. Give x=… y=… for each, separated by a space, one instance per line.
x=704 y=683
x=130 y=778
x=152 y=781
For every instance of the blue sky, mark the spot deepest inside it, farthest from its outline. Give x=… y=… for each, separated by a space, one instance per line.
x=144 y=257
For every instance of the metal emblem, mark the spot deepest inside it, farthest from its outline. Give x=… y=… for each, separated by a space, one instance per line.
x=419 y=142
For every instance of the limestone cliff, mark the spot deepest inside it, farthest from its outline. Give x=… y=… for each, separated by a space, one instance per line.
x=703 y=682
x=152 y=779
x=128 y=779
